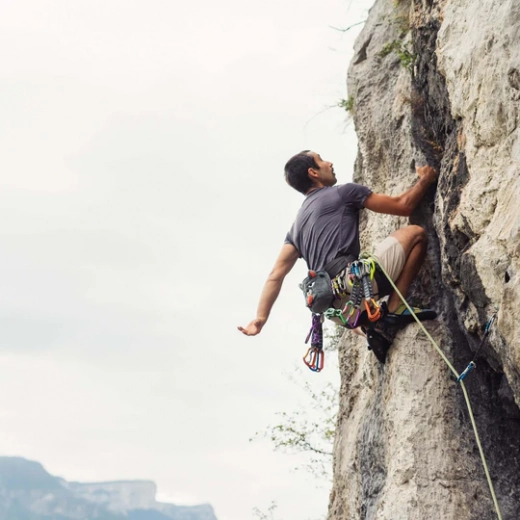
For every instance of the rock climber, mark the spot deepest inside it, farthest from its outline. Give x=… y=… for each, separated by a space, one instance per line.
x=327 y=227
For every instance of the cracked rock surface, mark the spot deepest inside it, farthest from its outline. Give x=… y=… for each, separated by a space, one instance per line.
x=405 y=448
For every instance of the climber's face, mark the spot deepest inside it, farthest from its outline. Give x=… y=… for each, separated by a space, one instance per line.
x=324 y=175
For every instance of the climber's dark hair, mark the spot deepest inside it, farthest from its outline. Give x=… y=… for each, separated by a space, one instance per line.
x=297 y=171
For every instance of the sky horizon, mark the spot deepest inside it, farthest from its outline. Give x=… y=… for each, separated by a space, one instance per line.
x=143 y=206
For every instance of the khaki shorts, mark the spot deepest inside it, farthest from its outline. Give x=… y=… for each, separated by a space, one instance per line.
x=391 y=255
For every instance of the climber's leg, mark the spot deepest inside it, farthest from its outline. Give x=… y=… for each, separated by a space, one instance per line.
x=402 y=255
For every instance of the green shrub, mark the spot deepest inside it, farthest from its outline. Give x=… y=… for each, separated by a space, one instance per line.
x=347 y=104
x=406 y=58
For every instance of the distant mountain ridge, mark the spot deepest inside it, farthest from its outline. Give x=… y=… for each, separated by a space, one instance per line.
x=29 y=492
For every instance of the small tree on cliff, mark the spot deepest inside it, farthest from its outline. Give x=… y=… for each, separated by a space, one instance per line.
x=310 y=429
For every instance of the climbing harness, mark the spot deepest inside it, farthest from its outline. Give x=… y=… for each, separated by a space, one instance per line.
x=321 y=290
x=459 y=380
x=472 y=363
x=358 y=277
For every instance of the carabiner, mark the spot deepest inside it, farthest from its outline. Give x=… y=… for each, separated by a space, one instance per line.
x=376 y=314
x=372 y=268
x=348 y=309
x=315 y=359
x=335 y=313
x=490 y=322
x=354 y=325
x=468 y=369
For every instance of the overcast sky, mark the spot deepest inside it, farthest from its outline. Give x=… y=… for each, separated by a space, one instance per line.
x=143 y=204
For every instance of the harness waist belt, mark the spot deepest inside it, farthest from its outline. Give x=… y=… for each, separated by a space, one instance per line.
x=334 y=267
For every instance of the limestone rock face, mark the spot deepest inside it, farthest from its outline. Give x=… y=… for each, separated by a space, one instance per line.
x=439 y=82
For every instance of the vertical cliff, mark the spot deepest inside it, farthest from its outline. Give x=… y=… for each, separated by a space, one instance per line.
x=438 y=82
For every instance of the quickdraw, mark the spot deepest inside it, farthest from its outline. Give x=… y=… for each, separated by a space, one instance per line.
x=360 y=275
x=472 y=363
x=467 y=370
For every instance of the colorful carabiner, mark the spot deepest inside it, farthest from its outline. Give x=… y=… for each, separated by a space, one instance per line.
x=376 y=313
x=468 y=369
x=372 y=268
x=315 y=359
x=354 y=325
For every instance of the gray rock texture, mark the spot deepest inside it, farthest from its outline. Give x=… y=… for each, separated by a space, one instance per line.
x=438 y=82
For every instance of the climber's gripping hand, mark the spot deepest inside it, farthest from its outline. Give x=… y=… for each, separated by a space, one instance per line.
x=427 y=173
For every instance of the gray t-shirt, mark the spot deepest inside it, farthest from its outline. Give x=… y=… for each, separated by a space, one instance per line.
x=327 y=224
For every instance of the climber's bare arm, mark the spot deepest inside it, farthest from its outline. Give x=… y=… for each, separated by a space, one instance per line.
x=403 y=204
x=284 y=263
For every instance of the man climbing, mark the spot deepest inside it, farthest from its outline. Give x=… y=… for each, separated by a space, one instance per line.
x=327 y=227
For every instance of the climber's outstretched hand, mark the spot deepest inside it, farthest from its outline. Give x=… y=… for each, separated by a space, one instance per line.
x=253 y=328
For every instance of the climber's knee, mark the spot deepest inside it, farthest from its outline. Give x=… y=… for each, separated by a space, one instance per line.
x=411 y=236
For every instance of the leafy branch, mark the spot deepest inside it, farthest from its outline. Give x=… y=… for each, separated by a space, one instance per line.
x=348 y=28
x=296 y=433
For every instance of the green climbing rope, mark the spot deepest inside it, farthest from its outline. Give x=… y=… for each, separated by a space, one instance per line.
x=456 y=374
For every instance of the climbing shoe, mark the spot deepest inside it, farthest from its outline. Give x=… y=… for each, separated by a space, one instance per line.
x=402 y=316
x=378 y=344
